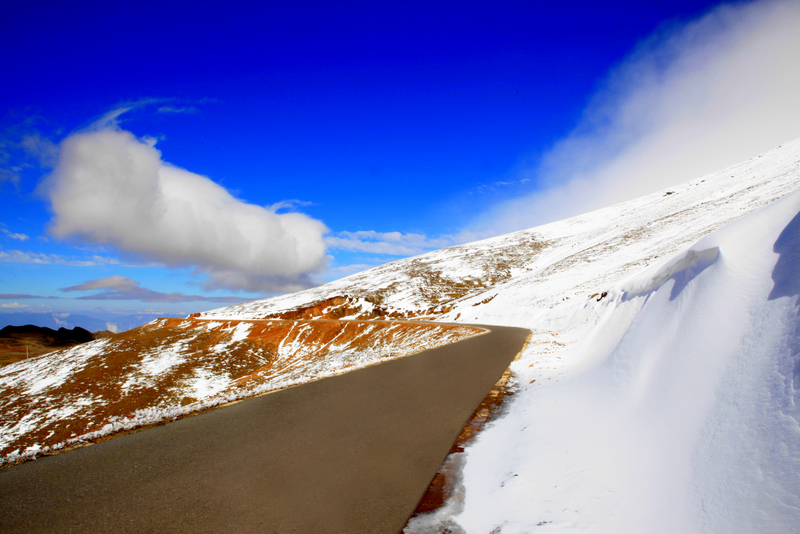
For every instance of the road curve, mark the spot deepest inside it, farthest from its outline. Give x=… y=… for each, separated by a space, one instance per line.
x=350 y=453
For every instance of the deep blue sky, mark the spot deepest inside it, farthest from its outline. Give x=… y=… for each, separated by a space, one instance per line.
x=383 y=117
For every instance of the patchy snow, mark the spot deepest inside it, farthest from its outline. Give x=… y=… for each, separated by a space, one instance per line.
x=36 y=375
x=181 y=366
x=240 y=331
x=658 y=392
x=206 y=383
x=159 y=361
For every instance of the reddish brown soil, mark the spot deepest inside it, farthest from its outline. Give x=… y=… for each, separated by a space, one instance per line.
x=349 y=454
x=347 y=306
x=98 y=384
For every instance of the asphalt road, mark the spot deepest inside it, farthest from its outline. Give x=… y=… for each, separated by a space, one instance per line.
x=351 y=453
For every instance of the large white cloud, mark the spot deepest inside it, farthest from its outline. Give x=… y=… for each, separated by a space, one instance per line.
x=111 y=188
x=690 y=100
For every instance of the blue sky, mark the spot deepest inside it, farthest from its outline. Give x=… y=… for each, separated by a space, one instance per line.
x=346 y=134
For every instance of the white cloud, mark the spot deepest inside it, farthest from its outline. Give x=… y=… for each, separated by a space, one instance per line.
x=40 y=147
x=289 y=204
x=690 y=100
x=111 y=188
x=177 y=109
x=20 y=256
x=112 y=327
x=393 y=243
x=12 y=235
x=14 y=305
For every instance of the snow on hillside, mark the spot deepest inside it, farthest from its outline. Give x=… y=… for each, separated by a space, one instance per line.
x=677 y=411
x=174 y=367
x=658 y=392
x=532 y=277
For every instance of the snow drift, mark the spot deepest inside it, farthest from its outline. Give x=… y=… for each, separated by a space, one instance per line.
x=659 y=389
x=681 y=412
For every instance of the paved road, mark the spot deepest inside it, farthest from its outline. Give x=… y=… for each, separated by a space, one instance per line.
x=351 y=453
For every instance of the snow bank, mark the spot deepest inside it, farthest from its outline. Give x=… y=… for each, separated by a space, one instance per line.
x=678 y=412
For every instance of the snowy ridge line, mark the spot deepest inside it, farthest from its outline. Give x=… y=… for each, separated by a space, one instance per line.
x=340 y=356
x=581 y=255
x=670 y=392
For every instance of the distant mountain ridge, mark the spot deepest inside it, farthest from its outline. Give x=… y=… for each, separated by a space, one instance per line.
x=56 y=320
x=62 y=335
x=19 y=342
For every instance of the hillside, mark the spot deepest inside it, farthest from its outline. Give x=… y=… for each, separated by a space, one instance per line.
x=673 y=404
x=535 y=276
x=21 y=342
x=174 y=367
x=658 y=392
x=624 y=409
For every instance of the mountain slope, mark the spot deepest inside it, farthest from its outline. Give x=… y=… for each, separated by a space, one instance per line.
x=543 y=273
x=20 y=342
x=659 y=390
x=677 y=411
x=174 y=367
x=658 y=363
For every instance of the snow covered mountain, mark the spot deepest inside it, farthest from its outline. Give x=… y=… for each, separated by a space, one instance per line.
x=658 y=393
x=661 y=388
x=534 y=277
x=673 y=407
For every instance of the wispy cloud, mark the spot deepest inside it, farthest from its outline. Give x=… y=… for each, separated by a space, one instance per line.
x=20 y=296
x=392 y=243
x=499 y=185
x=13 y=305
x=691 y=99
x=25 y=150
x=341 y=271
x=170 y=105
x=110 y=187
x=123 y=288
x=9 y=175
x=176 y=109
x=289 y=205
x=12 y=235
x=111 y=119
x=40 y=147
x=19 y=256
